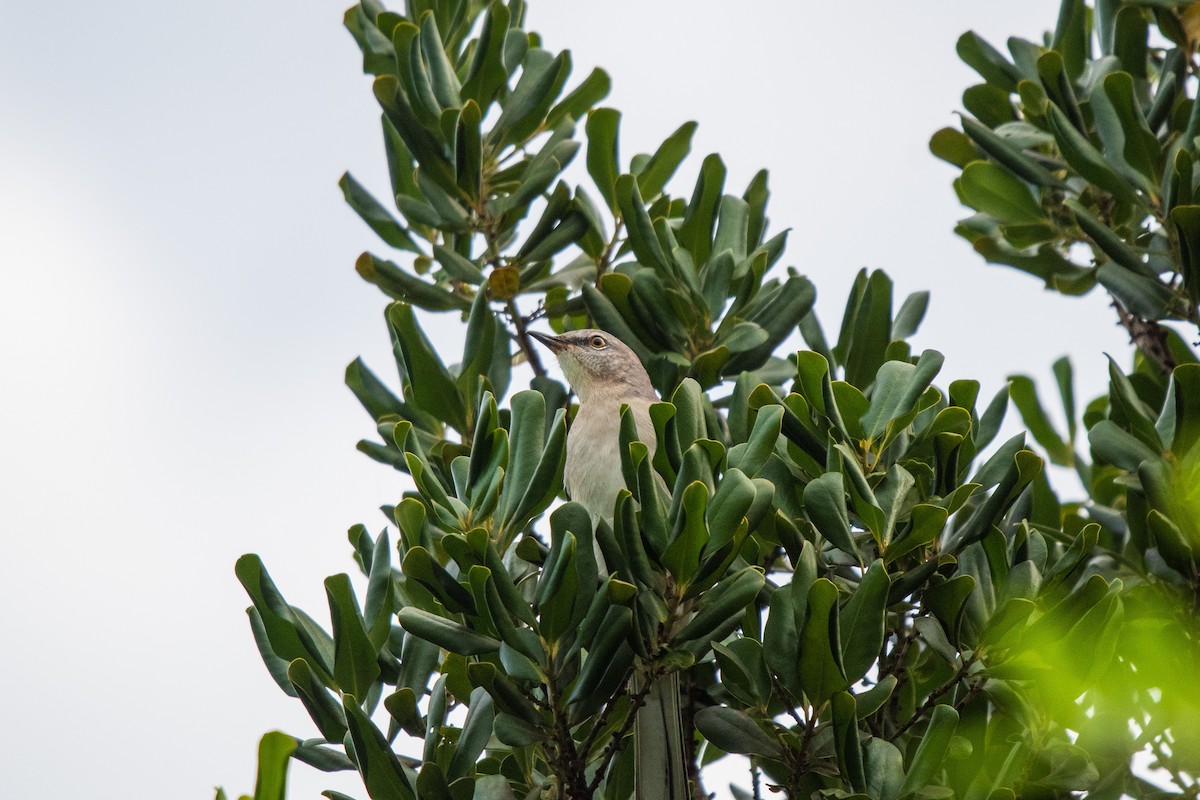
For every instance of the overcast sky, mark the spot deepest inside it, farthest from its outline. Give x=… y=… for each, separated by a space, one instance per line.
x=178 y=302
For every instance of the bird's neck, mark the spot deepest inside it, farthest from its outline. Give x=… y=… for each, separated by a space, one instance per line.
x=617 y=392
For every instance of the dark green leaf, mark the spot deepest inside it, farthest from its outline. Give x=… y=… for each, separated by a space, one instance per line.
x=735 y=732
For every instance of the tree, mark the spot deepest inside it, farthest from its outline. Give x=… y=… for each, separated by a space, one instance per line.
x=859 y=590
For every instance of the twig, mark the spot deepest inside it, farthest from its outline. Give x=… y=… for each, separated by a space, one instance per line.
x=618 y=741
x=566 y=757
x=934 y=696
x=1148 y=336
x=602 y=262
x=523 y=342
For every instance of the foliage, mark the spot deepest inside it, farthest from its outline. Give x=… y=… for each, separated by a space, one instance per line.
x=1089 y=139
x=858 y=588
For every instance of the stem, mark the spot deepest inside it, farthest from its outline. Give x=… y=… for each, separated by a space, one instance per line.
x=1148 y=336
x=565 y=760
x=934 y=696
x=618 y=741
x=522 y=337
x=606 y=256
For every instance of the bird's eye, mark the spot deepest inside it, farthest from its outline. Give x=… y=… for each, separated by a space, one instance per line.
x=597 y=342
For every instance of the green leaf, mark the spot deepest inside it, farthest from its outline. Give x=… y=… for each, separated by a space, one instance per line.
x=862 y=621
x=442 y=78
x=476 y=730
x=897 y=388
x=1128 y=142
x=1084 y=157
x=1118 y=447
x=781 y=640
x=376 y=216
x=542 y=78
x=825 y=506
x=695 y=234
x=355 y=659
x=948 y=602
x=987 y=61
x=990 y=104
x=1109 y=242
x=581 y=99
x=603 y=654
x=642 y=237
x=820 y=668
x=1024 y=395
x=724 y=602
x=487 y=72
x=381 y=770
x=931 y=752
x=743 y=670
x=884 y=766
x=846 y=743
x=735 y=732
x=284 y=629
x=1009 y=155
x=446 y=634
x=953 y=147
x=324 y=709
x=665 y=161
x=1145 y=297
x=1071 y=36
x=866 y=328
x=399 y=284
x=990 y=188
x=1186 y=219
x=603 y=163
x=868 y=702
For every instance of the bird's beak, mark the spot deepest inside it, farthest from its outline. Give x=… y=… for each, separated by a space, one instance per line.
x=552 y=342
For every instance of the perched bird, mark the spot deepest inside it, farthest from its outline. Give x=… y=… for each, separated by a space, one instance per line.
x=605 y=374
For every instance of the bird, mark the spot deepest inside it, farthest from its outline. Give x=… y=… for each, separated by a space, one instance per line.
x=605 y=374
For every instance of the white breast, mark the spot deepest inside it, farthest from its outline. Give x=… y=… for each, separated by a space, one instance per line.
x=593 y=469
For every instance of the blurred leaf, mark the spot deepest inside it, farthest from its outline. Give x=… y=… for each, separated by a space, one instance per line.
x=953 y=147
x=274 y=751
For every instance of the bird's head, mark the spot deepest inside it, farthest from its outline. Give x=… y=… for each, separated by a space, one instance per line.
x=599 y=364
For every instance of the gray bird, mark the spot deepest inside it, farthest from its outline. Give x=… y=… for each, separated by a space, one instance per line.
x=605 y=374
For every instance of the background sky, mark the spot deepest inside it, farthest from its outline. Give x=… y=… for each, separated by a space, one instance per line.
x=178 y=302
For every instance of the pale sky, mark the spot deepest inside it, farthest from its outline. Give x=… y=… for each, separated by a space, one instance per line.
x=178 y=302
